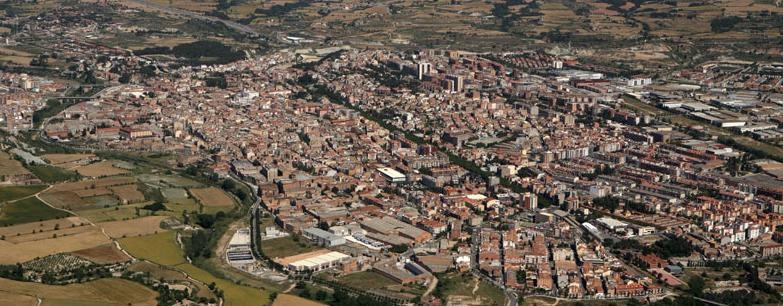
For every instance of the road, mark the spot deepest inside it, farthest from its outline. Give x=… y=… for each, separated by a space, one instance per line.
x=185 y=13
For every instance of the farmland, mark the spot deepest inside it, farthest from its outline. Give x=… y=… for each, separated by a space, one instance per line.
x=10 y=166
x=67 y=160
x=100 y=292
x=100 y=169
x=52 y=174
x=102 y=254
x=135 y=227
x=212 y=197
x=28 y=210
x=48 y=243
x=159 y=248
x=287 y=299
x=17 y=192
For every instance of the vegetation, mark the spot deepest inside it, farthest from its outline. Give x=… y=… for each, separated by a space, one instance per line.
x=17 y=192
x=28 y=210
x=199 y=52
x=724 y=24
x=159 y=248
x=51 y=174
x=285 y=246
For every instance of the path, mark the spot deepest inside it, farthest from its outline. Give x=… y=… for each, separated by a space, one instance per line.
x=432 y=286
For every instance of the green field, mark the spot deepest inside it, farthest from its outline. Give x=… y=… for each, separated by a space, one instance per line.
x=18 y=192
x=286 y=246
x=236 y=295
x=366 y=280
x=51 y=174
x=158 y=248
x=28 y=210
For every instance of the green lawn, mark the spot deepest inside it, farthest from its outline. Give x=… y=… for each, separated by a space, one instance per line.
x=28 y=210
x=286 y=246
x=366 y=280
x=159 y=248
x=51 y=174
x=17 y=192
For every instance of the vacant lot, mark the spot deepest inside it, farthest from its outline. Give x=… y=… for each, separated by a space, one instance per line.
x=100 y=169
x=159 y=248
x=461 y=285
x=103 y=254
x=106 y=291
x=212 y=196
x=131 y=228
x=18 y=192
x=21 y=252
x=287 y=299
x=128 y=193
x=28 y=210
x=286 y=246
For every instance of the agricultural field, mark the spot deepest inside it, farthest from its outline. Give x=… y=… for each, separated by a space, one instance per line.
x=24 y=251
x=28 y=210
x=287 y=299
x=93 y=194
x=132 y=228
x=286 y=246
x=52 y=174
x=10 y=166
x=15 y=56
x=101 y=169
x=108 y=291
x=18 y=299
x=212 y=197
x=116 y=213
x=17 y=192
x=128 y=193
x=68 y=161
x=103 y=254
x=159 y=248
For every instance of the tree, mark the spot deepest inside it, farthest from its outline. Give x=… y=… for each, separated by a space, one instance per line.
x=320 y=295
x=399 y=248
x=696 y=285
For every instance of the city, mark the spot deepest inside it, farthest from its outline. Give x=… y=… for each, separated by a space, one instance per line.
x=207 y=172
